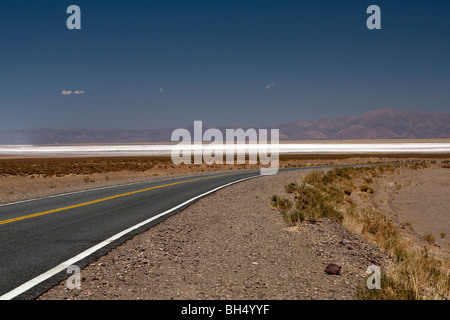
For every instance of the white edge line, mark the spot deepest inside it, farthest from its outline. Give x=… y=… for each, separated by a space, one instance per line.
x=50 y=273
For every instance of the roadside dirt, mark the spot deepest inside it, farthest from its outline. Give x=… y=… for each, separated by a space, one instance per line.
x=418 y=201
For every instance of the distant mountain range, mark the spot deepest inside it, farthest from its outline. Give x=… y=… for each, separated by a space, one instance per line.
x=377 y=124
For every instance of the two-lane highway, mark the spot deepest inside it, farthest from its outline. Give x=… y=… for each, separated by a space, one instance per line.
x=40 y=238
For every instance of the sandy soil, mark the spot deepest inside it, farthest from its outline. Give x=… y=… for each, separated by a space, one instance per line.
x=419 y=199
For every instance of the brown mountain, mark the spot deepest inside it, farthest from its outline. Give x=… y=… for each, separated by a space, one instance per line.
x=377 y=124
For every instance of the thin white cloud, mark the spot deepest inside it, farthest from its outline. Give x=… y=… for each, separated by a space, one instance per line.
x=270 y=85
x=68 y=92
x=161 y=89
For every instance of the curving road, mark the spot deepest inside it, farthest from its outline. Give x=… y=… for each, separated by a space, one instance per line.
x=40 y=238
x=52 y=233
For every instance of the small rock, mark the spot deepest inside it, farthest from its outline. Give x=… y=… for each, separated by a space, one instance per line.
x=333 y=269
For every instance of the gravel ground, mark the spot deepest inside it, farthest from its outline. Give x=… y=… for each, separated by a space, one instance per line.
x=231 y=245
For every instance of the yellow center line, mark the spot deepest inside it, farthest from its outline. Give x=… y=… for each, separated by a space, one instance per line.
x=103 y=199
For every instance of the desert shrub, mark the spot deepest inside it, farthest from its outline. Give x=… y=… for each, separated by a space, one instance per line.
x=291 y=187
x=316 y=204
x=281 y=204
x=344 y=172
x=294 y=218
x=368 y=180
x=314 y=178
x=366 y=188
x=429 y=238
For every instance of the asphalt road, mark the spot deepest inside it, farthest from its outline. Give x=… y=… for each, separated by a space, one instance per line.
x=40 y=238
x=40 y=234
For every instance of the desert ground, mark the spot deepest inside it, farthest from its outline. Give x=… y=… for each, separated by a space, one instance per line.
x=23 y=178
x=233 y=244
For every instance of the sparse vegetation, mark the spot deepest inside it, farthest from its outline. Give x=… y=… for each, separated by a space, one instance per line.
x=281 y=204
x=396 y=291
x=368 y=180
x=295 y=217
x=88 y=179
x=75 y=166
x=290 y=188
x=415 y=274
x=315 y=206
x=429 y=238
x=366 y=188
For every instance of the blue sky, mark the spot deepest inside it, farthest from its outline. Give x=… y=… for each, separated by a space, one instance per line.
x=154 y=64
